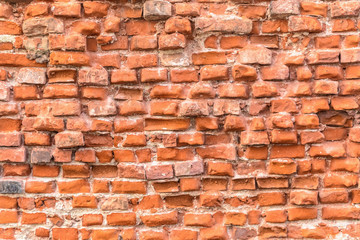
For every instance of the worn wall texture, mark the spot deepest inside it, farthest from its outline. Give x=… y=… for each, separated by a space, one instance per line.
x=152 y=120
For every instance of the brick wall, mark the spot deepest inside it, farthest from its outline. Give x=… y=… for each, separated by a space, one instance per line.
x=152 y=120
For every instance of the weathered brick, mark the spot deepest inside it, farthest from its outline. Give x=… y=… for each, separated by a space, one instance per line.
x=308 y=8
x=285 y=8
x=13 y=154
x=304 y=24
x=42 y=26
x=9 y=27
x=69 y=139
x=88 y=28
x=224 y=25
x=255 y=54
x=11 y=187
x=345 y=9
x=5 y=10
x=350 y=56
x=41 y=156
x=187 y=9
x=159 y=172
x=65 y=9
x=31 y=76
x=157 y=10
x=93 y=76
x=69 y=58
x=95 y=9
x=172 y=41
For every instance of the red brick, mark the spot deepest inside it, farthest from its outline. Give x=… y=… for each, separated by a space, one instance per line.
x=223 y=25
x=17 y=60
x=271 y=198
x=39 y=187
x=226 y=152
x=84 y=202
x=159 y=172
x=172 y=41
x=7 y=217
x=13 y=154
x=152 y=124
x=214 y=72
x=254 y=138
x=204 y=58
x=69 y=139
x=348 y=164
x=281 y=136
x=46 y=171
x=233 y=42
x=131 y=12
x=33 y=218
x=154 y=75
x=154 y=220
x=220 y=169
x=290 y=151
x=129 y=187
x=99 y=234
x=183 y=75
x=335 y=149
x=351 y=41
x=5 y=10
x=64 y=233
x=86 y=27
x=76 y=171
x=252 y=54
x=308 y=8
x=211 y=42
x=295 y=214
x=333 y=196
x=178 y=234
x=304 y=198
x=272 y=182
x=286 y=166
x=234 y=123
x=123 y=76
x=11 y=28
x=276 y=216
x=122 y=219
x=339 y=213
x=70 y=58
x=64 y=9
x=149 y=234
x=95 y=9
x=343 y=25
x=92 y=219
x=274 y=26
x=178 y=24
x=252 y=11
x=140 y=27
x=340 y=180
x=264 y=89
x=187 y=9
x=304 y=24
x=342 y=9
x=143 y=42
x=73 y=186
x=42 y=232
x=235 y=218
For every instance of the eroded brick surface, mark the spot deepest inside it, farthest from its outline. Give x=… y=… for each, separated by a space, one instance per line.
x=179 y=120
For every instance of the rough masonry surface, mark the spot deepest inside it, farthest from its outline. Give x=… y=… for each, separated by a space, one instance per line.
x=179 y=120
